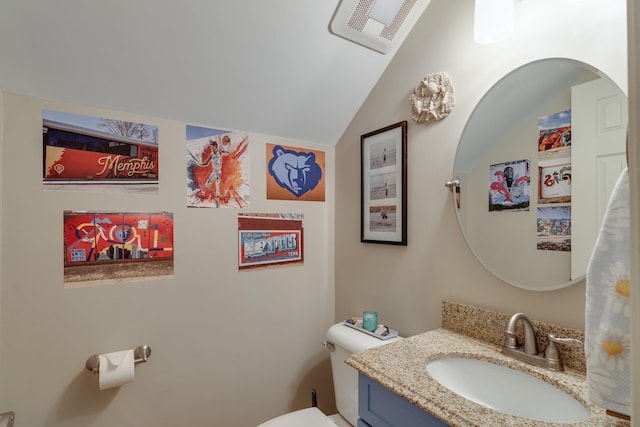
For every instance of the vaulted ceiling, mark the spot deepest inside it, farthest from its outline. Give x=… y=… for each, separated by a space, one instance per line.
x=270 y=67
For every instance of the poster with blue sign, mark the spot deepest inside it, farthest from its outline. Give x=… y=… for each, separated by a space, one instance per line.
x=269 y=240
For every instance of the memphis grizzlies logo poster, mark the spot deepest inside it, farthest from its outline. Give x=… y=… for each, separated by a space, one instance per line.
x=295 y=173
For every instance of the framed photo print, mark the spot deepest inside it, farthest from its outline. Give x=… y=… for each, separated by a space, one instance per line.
x=384 y=185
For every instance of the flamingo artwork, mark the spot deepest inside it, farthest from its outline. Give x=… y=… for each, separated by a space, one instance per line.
x=499 y=187
x=509 y=185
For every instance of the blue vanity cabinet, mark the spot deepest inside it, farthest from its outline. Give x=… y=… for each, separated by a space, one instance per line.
x=380 y=407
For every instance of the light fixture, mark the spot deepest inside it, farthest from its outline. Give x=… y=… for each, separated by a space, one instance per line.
x=493 y=20
x=377 y=24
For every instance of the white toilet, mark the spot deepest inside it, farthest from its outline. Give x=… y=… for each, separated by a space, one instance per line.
x=342 y=340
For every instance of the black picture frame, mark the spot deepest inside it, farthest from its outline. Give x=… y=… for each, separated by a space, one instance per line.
x=383 y=185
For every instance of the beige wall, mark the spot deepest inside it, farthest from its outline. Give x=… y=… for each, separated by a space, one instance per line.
x=223 y=353
x=406 y=285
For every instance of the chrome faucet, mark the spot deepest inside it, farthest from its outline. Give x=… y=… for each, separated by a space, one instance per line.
x=528 y=351
x=511 y=340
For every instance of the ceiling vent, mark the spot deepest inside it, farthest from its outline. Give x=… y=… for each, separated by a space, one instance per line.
x=377 y=24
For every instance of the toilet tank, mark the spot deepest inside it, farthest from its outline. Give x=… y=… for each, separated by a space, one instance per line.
x=347 y=340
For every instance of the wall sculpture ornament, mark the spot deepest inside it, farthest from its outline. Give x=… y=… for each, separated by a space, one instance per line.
x=433 y=98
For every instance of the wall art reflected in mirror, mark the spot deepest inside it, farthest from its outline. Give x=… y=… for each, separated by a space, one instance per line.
x=536 y=164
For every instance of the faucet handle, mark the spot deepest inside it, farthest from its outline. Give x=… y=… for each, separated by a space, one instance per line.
x=551 y=352
x=567 y=341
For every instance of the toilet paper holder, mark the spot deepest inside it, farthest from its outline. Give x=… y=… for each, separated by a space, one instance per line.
x=141 y=355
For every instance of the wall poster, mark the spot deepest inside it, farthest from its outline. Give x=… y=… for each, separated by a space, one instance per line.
x=554 y=132
x=295 y=174
x=266 y=240
x=554 y=228
x=217 y=168
x=555 y=182
x=111 y=247
x=509 y=185
x=98 y=154
x=554 y=158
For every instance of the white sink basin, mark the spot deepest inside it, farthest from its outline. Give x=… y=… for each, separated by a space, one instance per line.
x=507 y=390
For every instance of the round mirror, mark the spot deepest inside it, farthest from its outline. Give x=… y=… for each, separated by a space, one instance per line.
x=535 y=166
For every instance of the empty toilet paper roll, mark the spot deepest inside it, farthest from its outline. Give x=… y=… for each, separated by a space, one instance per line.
x=116 y=368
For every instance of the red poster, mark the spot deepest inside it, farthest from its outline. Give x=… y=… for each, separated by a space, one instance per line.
x=93 y=237
x=71 y=164
x=80 y=150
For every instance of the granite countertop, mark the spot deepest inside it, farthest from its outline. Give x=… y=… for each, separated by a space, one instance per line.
x=401 y=367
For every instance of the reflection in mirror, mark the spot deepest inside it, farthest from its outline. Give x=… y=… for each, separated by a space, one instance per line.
x=537 y=161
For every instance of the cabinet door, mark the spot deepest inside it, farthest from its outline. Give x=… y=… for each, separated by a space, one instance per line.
x=380 y=407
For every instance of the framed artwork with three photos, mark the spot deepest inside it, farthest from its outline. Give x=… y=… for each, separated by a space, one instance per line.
x=384 y=185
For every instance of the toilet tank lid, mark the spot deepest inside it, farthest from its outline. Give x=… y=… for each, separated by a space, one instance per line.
x=353 y=340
